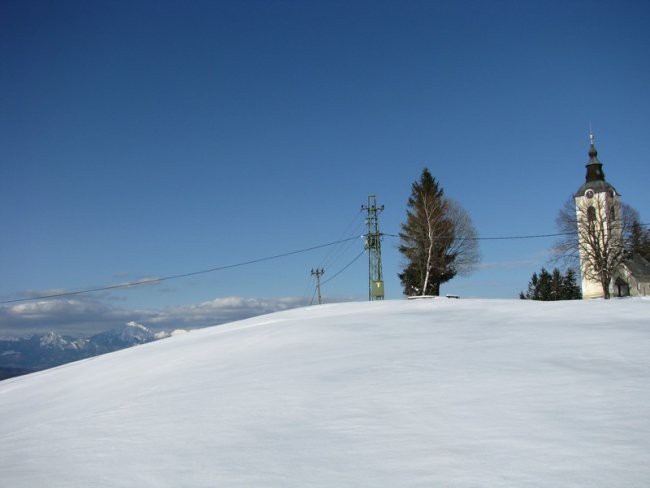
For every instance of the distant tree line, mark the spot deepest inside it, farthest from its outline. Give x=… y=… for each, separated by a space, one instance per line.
x=552 y=286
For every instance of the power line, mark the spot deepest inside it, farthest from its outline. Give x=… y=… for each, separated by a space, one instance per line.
x=340 y=251
x=350 y=228
x=502 y=238
x=311 y=302
x=505 y=238
x=344 y=267
x=335 y=252
x=151 y=281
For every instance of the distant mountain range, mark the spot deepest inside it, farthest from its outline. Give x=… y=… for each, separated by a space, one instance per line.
x=25 y=355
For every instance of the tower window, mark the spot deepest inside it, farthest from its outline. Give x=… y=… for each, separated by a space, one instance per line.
x=591 y=214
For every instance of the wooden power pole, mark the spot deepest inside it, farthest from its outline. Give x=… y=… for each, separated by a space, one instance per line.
x=318 y=273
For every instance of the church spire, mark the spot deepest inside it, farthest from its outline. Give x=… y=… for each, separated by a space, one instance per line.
x=595 y=178
x=594 y=166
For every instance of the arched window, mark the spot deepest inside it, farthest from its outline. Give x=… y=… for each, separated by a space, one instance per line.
x=591 y=214
x=612 y=213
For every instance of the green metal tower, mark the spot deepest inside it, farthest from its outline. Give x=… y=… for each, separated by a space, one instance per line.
x=373 y=245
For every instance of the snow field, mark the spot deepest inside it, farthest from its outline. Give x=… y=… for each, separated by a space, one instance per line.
x=461 y=393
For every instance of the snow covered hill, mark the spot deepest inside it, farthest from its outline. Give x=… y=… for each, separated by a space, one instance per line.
x=435 y=393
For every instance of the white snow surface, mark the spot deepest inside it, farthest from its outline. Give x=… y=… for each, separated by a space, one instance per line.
x=432 y=393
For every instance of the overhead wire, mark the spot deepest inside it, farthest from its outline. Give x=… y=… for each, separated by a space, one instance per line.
x=151 y=281
x=344 y=268
x=311 y=302
x=328 y=259
x=342 y=249
x=502 y=238
x=335 y=251
x=538 y=236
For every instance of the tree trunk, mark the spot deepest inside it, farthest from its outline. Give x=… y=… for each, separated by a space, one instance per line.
x=605 y=284
x=435 y=289
x=430 y=249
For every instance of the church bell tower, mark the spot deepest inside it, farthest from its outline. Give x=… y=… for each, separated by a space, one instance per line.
x=598 y=225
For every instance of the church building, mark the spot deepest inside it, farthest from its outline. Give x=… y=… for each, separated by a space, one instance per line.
x=601 y=242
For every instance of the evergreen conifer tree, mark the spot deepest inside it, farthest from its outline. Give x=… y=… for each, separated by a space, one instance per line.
x=438 y=239
x=639 y=240
x=552 y=286
x=570 y=287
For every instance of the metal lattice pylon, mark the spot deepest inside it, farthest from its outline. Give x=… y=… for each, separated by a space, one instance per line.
x=373 y=245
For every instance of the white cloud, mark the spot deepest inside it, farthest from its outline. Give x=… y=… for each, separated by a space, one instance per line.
x=221 y=310
x=87 y=315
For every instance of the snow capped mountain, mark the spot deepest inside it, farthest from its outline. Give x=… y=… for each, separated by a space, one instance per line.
x=128 y=335
x=51 y=349
x=461 y=393
x=52 y=340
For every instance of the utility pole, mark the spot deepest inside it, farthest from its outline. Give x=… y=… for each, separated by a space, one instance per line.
x=373 y=245
x=318 y=273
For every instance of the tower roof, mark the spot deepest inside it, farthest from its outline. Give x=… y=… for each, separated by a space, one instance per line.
x=595 y=178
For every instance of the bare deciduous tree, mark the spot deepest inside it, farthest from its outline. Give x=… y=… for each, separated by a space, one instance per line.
x=597 y=231
x=464 y=244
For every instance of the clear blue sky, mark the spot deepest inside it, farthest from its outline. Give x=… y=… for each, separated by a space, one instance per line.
x=150 y=138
